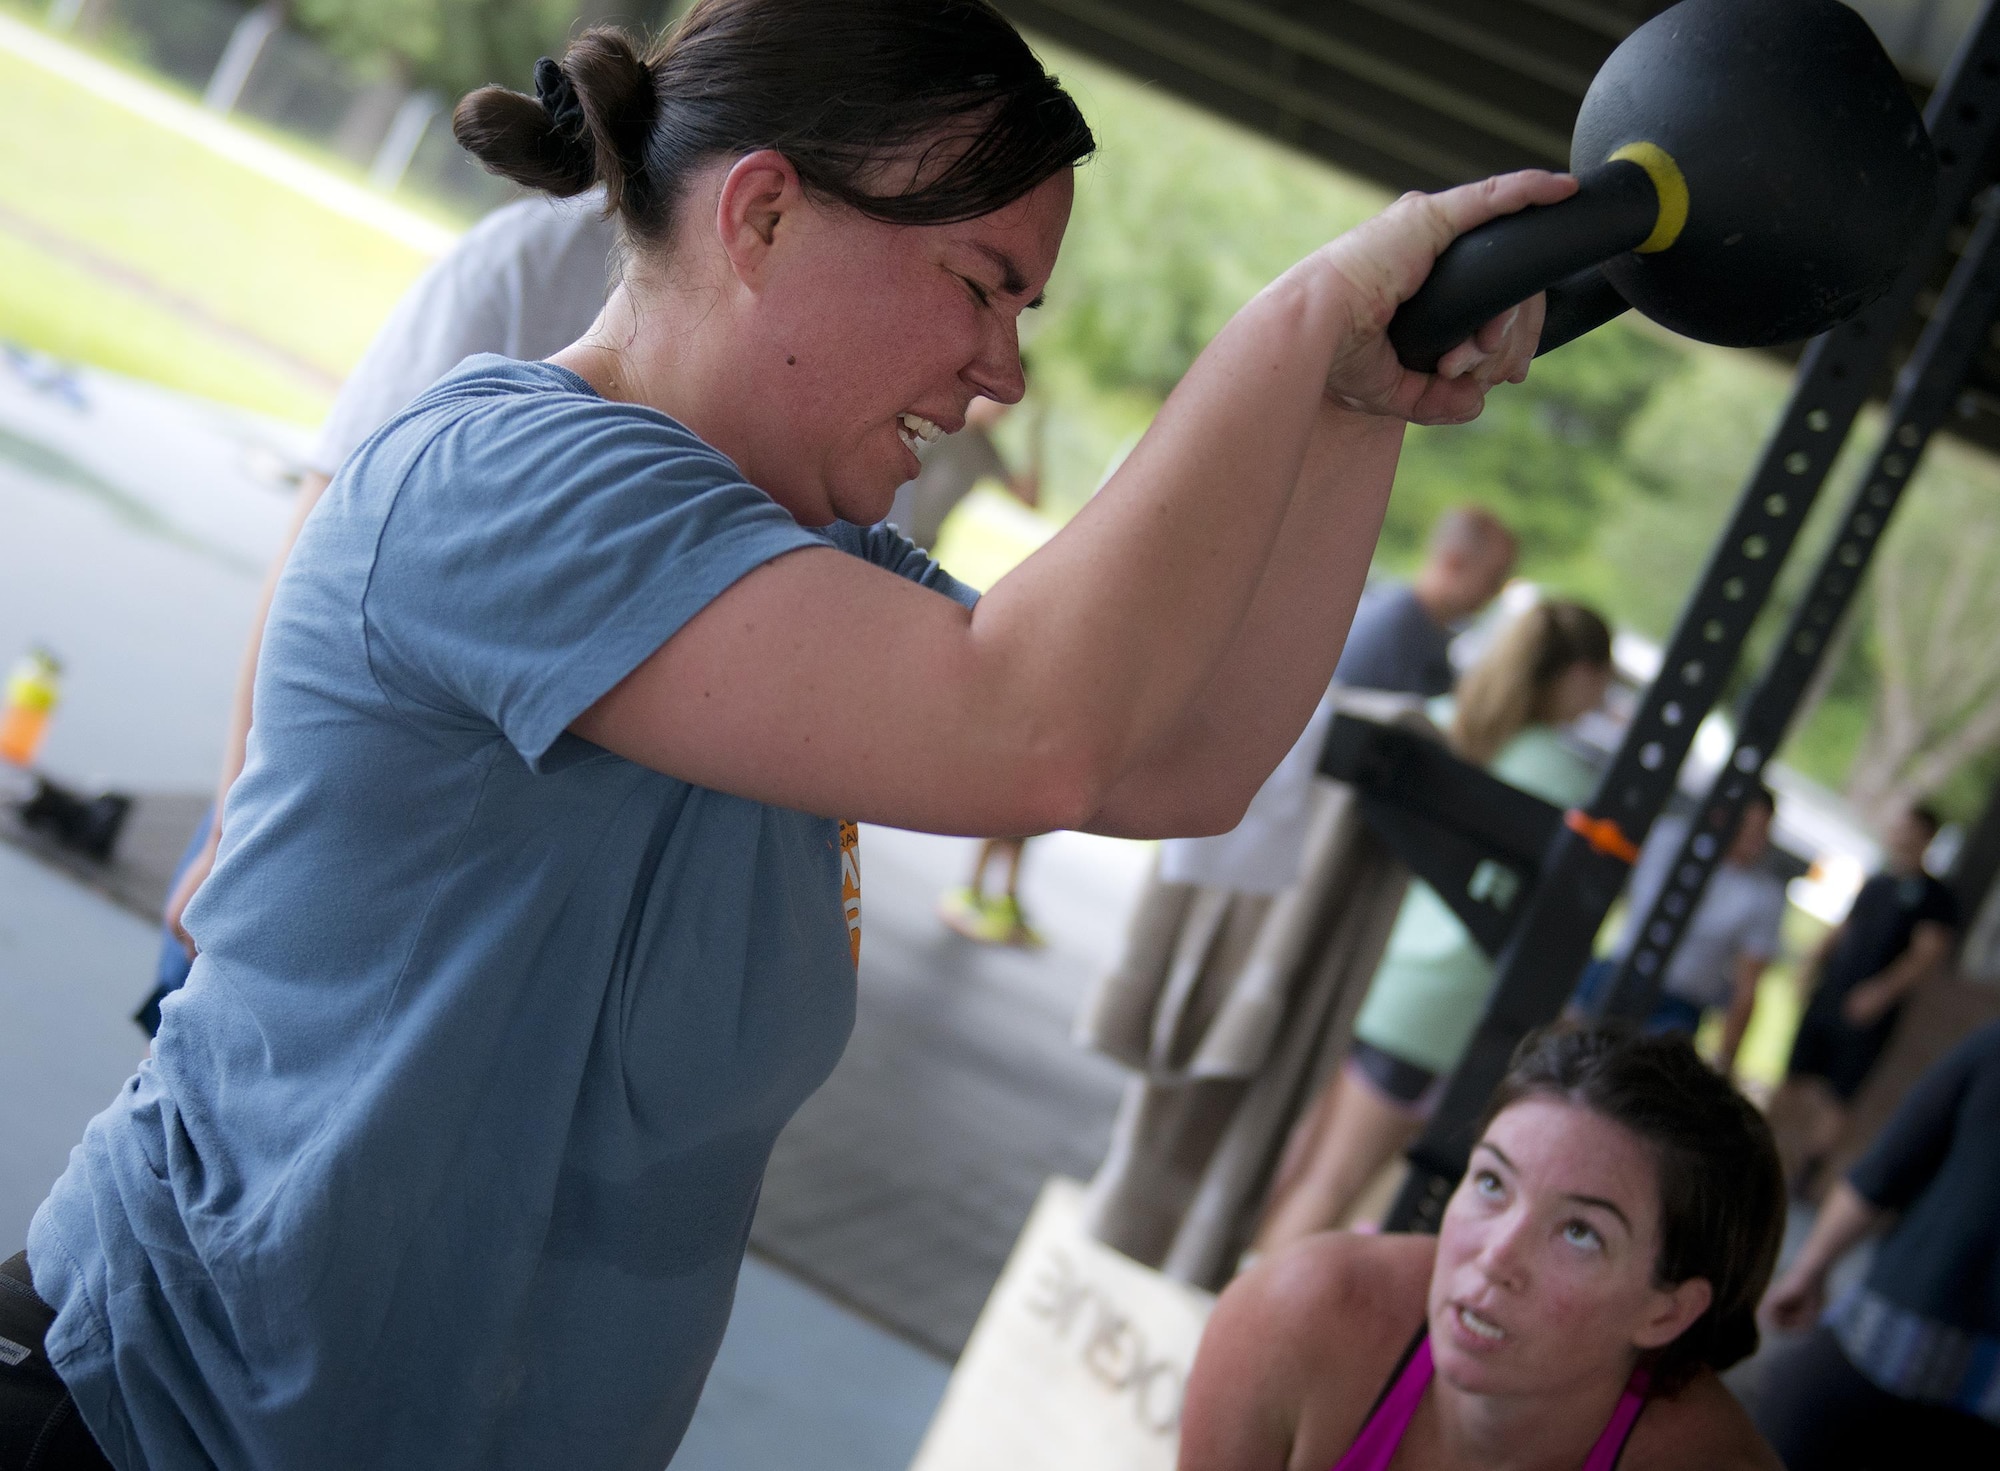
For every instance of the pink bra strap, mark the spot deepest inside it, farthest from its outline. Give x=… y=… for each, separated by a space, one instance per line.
x=1375 y=1447
x=1604 y=1455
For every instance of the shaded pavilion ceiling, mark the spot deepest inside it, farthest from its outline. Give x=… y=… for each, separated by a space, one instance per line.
x=1423 y=94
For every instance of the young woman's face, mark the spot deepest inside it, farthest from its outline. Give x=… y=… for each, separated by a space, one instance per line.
x=1544 y=1275
x=886 y=334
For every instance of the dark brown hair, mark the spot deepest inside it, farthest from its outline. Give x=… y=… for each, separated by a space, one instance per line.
x=1722 y=1194
x=837 y=86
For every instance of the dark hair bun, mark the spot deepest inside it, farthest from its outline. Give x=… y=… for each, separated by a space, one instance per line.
x=587 y=124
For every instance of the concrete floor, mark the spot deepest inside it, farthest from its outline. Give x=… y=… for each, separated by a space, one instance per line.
x=893 y=1199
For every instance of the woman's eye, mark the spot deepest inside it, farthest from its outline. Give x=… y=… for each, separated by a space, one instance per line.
x=979 y=293
x=1578 y=1233
x=1486 y=1183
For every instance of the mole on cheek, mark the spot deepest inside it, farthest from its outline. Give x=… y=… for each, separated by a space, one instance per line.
x=791 y=362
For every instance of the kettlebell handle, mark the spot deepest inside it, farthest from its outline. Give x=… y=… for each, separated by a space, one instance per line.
x=1617 y=207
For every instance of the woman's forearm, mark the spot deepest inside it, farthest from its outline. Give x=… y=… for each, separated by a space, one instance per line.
x=1844 y=1219
x=1267 y=682
x=1116 y=624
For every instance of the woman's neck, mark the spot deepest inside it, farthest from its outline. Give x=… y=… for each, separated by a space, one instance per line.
x=1514 y=1432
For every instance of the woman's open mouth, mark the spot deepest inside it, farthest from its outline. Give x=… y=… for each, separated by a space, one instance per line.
x=1481 y=1329
x=915 y=430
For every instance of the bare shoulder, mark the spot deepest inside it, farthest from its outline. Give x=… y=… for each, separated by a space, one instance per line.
x=1297 y=1348
x=1338 y=1276
x=1701 y=1426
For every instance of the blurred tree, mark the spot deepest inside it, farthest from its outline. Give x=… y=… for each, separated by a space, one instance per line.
x=1934 y=636
x=452 y=45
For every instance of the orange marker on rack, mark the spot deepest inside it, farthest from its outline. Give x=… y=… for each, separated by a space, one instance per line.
x=32 y=692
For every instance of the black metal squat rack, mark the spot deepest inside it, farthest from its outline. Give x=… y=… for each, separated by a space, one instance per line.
x=1533 y=884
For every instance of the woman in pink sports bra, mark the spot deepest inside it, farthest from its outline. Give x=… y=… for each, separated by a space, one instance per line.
x=1601 y=1261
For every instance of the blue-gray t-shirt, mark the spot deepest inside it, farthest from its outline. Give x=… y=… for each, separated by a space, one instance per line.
x=447 y=1154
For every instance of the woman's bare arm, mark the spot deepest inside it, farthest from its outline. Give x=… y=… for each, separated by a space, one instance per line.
x=822 y=684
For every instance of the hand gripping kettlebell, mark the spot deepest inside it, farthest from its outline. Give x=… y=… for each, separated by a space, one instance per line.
x=1749 y=172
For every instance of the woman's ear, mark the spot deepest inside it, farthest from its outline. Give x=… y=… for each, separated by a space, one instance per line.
x=757 y=193
x=1672 y=1311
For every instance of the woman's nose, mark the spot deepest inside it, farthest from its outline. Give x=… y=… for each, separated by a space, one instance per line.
x=1503 y=1256
x=997 y=371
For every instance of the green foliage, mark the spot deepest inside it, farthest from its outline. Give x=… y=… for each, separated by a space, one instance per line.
x=452 y=45
x=1179 y=220
x=1548 y=456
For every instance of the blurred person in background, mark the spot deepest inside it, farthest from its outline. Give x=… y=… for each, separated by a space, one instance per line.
x=1898 y=933
x=1905 y=1369
x=525 y=282
x=1400 y=641
x=536 y=912
x=1545 y=669
x=952 y=467
x=1728 y=944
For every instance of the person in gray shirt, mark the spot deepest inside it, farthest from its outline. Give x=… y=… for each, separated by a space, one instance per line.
x=1732 y=937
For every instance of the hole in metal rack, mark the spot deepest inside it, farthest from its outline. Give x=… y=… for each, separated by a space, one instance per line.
x=1733 y=589
x=1713 y=630
x=1805 y=643
x=1798 y=462
x=1645 y=962
x=1676 y=905
x=1850 y=555
x=1754 y=547
x=1704 y=847
x=1819 y=421
x=1909 y=436
x=1838 y=583
x=1692 y=671
x=1747 y=758
x=1774 y=505
x=1651 y=755
x=1864 y=525
x=1670 y=713
x=1879 y=495
x=1893 y=465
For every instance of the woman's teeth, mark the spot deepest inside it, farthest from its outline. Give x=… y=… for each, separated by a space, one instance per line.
x=1480 y=1327
x=915 y=429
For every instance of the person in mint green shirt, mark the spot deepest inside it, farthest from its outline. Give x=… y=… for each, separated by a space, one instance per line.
x=1547 y=667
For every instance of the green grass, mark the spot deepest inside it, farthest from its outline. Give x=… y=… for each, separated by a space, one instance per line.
x=242 y=250
x=53 y=306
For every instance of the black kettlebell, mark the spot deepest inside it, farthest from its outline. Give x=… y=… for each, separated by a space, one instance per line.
x=1749 y=172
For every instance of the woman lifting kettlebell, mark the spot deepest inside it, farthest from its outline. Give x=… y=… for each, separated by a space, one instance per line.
x=537 y=904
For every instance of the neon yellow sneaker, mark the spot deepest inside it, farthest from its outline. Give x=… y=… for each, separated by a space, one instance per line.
x=987 y=921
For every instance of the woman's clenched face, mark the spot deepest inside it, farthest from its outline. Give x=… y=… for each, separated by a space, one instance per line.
x=1544 y=1281
x=873 y=337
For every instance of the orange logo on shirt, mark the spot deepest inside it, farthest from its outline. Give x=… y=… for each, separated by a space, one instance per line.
x=850 y=886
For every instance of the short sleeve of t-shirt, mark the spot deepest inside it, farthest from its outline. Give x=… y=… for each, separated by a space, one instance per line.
x=541 y=544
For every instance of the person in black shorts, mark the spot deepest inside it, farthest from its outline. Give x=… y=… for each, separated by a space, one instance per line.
x=1905 y=1368
x=1899 y=931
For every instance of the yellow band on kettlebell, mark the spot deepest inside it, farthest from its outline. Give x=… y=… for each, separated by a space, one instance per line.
x=1668 y=184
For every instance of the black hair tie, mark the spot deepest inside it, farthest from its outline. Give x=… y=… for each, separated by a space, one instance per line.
x=559 y=100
